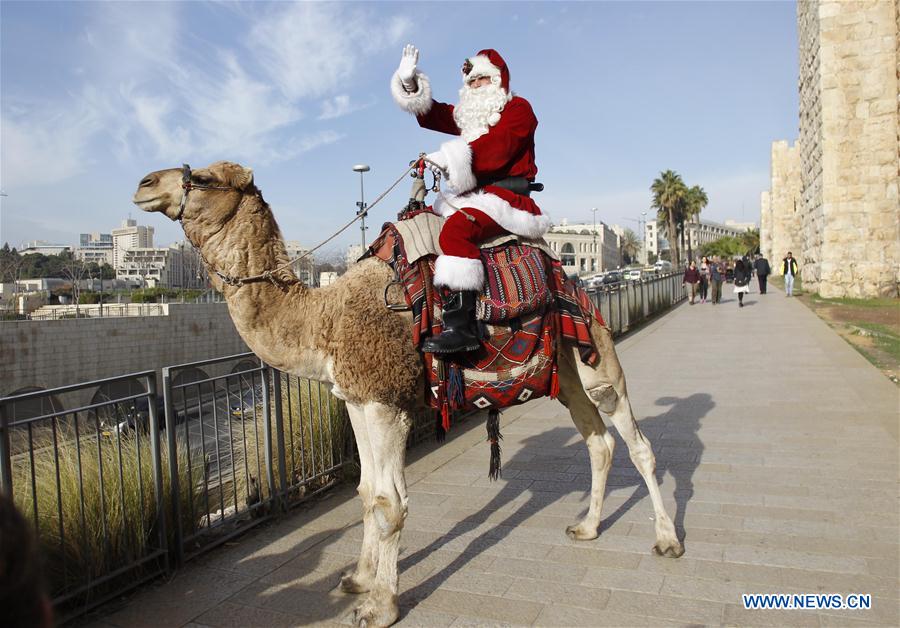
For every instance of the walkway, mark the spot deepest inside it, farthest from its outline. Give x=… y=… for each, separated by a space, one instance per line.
x=777 y=447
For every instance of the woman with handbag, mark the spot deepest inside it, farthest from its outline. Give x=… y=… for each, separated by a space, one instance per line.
x=741 y=281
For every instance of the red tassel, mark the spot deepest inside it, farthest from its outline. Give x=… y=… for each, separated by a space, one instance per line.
x=445 y=416
x=554 y=383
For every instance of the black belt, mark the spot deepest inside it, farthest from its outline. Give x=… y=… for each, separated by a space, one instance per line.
x=517 y=185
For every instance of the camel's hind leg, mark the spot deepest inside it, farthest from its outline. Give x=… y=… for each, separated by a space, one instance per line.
x=387 y=429
x=361 y=579
x=605 y=386
x=600 y=443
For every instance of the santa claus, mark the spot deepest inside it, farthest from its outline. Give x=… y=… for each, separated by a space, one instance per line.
x=488 y=168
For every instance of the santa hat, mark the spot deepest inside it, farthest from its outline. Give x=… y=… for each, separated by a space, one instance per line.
x=489 y=63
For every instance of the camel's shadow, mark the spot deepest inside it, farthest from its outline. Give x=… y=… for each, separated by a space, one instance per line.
x=678 y=451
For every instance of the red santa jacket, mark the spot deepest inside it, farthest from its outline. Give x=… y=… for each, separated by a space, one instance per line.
x=506 y=150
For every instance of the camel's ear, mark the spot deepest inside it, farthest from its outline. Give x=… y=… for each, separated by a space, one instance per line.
x=242 y=178
x=234 y=175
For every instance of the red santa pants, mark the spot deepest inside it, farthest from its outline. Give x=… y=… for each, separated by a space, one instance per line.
x=460 y=267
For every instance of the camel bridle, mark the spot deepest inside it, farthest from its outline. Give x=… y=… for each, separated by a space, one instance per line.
x=187 y=185
x=270 y=275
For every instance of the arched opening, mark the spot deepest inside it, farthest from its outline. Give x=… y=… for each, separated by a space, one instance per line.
x=189 y=399
x=116 y=413
x=19 y=436
x=244 y=389
x=567 y=254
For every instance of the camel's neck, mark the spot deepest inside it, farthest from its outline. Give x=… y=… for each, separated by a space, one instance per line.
x=248 y=245
x=270 y=316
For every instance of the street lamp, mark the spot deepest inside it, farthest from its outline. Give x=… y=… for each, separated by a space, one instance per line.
x=644 y=237
x=361 y=168
x=594 y=250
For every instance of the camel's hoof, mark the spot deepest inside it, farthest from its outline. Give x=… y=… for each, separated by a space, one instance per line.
x=350 y=583
x=669 y=549
x=580 y=532
x=370 y=614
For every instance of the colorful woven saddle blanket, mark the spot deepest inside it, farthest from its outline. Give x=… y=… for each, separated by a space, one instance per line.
x=526 y=306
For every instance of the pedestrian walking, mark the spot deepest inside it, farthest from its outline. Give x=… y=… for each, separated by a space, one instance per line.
x=741 y=281
x=716 y=277
x=704 y=278
x=692 y=277
x=789 y=270
x=748 y=267
x=762 y=272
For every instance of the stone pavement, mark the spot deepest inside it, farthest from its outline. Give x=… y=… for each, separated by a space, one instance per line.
x=777 y=451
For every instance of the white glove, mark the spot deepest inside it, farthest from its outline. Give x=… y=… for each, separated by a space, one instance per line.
x=406 y=71
x=437 y=163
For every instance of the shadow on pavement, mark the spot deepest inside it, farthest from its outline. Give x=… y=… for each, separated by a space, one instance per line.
x=678 y=451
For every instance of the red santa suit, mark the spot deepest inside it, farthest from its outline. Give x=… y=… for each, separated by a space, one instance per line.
x=497 y=145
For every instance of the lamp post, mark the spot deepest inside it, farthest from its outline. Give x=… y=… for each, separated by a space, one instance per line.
x=594 y=249
x=644 y=237
x=361 y=168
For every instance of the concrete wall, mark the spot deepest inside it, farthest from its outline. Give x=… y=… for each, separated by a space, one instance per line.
x=53 y=353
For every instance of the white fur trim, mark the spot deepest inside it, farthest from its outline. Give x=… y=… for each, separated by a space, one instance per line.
x=482 y=66
x=458 y=273
x=494 y=119
x=514 y=220
x=418 y=103
x=458 y=155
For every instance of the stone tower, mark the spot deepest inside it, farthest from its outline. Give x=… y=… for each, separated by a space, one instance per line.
x=781 y=205
x=849 y=148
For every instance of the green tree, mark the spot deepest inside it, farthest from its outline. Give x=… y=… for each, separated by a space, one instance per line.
x=695 y=200
x=668 y=193
x=630 y=245
x=750 y=241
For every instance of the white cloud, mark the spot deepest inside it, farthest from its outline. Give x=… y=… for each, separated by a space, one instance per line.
x=340 y=106
x=148 y=84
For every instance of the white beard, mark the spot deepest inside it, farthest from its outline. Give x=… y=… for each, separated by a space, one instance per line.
x=478 y=109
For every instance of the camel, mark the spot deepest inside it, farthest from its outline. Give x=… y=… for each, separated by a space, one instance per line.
x=344 y=335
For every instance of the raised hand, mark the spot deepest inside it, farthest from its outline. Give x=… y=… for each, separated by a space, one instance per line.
x=406 y=71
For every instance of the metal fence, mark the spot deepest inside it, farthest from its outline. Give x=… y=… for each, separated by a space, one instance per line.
x=629 y=303
x=123 y=482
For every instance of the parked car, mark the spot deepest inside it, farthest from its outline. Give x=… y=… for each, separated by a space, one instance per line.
x=663 y=266
x=633 y=274
x=612 y=278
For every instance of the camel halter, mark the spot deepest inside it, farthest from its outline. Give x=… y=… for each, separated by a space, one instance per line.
x=187 y=185
x=269 y=275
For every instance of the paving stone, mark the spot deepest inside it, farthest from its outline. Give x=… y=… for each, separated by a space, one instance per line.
x=623 y=579
x=737 y=615
x=557 y=615
x=664 y=607
x=417 y=617
x=538 y=569
x=229 y=614
x=796 y=560
x=558 y=593
x=483 y=606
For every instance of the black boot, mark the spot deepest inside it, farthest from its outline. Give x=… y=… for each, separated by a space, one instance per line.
x=459 y=320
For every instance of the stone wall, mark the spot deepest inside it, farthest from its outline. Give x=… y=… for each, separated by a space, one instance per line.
x=783 y=201
x=765 y=224
x=53 y=353
x=850 y=221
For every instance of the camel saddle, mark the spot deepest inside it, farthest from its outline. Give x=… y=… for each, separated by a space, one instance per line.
x=526 y=305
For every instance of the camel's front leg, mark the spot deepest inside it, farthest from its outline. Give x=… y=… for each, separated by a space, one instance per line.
x=605 y=386
x=387 y=429
x=361 y=579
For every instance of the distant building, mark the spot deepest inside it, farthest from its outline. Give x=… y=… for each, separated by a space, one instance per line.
x=304 y=268
x=96 y=248
x=652 y=239
x=176 y=266
x=43 y=247
x=130 y=236
x=354 y=252
x=706 y=231
x=585 y=248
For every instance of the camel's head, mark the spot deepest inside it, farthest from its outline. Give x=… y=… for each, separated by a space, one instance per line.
x=205 y=198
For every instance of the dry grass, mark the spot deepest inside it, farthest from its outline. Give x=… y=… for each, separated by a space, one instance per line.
x=91 y=519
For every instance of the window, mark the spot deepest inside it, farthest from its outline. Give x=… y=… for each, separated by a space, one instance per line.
x=568 y=254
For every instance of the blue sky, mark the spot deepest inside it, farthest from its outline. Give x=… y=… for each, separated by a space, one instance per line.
x=93 y=95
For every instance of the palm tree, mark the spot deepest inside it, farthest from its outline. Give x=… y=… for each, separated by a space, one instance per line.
x=668 y=191
x=750 y=241
x=630 y=245
x=695 y=201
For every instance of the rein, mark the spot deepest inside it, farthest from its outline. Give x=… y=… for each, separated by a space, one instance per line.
x=269 y=275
